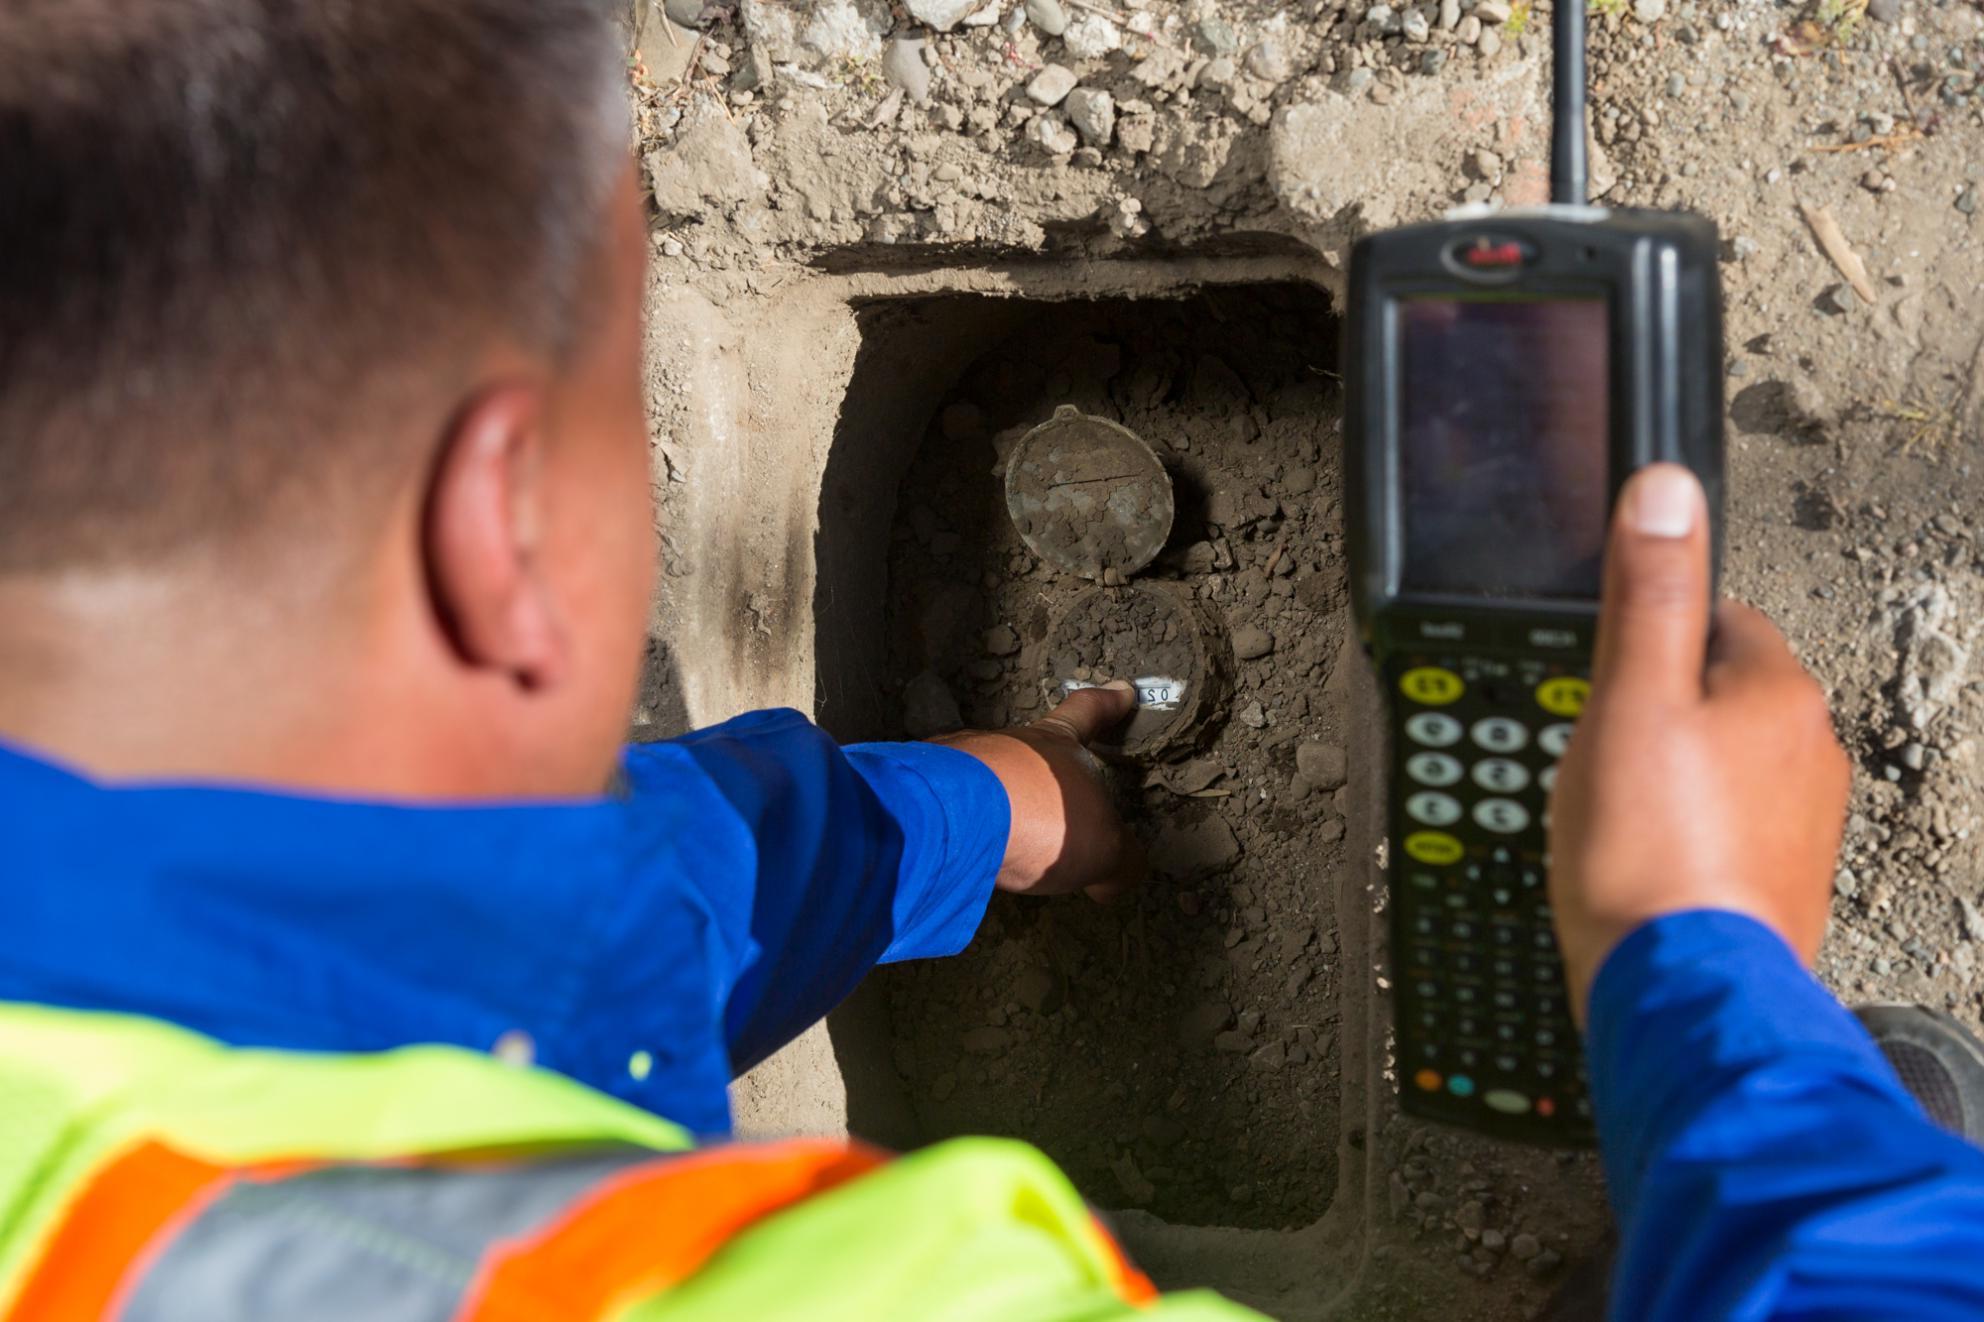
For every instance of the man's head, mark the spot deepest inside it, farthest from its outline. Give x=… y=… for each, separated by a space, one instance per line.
x=318 y=376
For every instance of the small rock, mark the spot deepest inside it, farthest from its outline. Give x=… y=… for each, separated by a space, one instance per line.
x=1494 y=1240
x=1091 y=37
x=1449 y=15
x=1269 y=1056
x=928 y=707
x=1218 y=73
x=1469 y=30
x=1202 y=848
x=1137 y=1190
x=1268 y=62
x=942 y=15
x=1493 y=11
x=1002 y=640
x=1050 y=87
x=1037 y=990
x=1472 y=1219
x=1490 y=44
x=1232 y=1042
x=1093 y=113
x=756 y=71
x=1052 y=135
x=987 y=1041
x=1191 y=777
x=1048 y=16
x=1254 y=716
x=1966 y=201
x=1649 y=11
x=1884 y=11
x=1382 y=19
x=1482 y=164
x=1973 y=918
x=684 y=13
x=903 y=66
x=1215 y=36
x=1324 y=766
x=1525 y=1246
x=1251 y=642
x=1914 y=756
x=1414 y=25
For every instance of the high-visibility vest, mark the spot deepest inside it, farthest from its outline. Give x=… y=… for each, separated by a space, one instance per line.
x=153 y=1175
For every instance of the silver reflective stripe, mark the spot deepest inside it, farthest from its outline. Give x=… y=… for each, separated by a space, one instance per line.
x=352 y=1243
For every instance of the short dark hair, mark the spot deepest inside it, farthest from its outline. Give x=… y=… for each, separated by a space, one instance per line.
x=232 y=230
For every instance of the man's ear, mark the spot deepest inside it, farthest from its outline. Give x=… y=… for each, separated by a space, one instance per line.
x=481 y=540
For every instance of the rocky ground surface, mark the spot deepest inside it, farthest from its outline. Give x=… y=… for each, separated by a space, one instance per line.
x=1840 y=146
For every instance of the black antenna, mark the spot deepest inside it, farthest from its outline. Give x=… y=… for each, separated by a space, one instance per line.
x=1567 y=116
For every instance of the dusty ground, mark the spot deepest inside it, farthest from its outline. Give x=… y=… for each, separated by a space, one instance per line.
x=786 y=138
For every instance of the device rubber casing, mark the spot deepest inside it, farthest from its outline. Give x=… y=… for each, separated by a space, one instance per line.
x=1658 y=273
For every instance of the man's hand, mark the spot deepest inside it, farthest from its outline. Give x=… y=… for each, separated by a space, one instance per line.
x=1066 y=835
x=1689 y=785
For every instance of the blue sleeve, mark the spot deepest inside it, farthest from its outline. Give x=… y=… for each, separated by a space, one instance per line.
x=1763 y=1158
x=817 y=862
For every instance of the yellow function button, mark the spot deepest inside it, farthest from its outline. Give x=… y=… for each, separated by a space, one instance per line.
x=1430 y=685
x=1563 y=696
x=1435 y=848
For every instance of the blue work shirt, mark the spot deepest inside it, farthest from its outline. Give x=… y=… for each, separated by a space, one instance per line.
x=651 y=944
x=1764 y=1160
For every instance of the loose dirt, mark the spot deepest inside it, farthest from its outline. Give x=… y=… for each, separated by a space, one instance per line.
x=1176 y=1051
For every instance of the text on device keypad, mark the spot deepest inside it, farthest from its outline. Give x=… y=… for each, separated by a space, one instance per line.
x=1483 y=1030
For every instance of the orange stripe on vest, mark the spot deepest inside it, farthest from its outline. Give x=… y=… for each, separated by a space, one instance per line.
x=616 y=1246
x=105 y=1236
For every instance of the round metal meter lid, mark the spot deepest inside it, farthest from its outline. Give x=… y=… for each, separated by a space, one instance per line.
x=1159 y=639
x=1089 y=496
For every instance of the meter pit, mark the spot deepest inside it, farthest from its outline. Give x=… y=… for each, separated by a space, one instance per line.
x=1177 y=1051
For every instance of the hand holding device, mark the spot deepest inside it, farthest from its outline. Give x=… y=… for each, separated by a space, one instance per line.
x=1687 y=788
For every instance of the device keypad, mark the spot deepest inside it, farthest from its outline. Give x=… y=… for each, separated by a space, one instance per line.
x=1484 y=1033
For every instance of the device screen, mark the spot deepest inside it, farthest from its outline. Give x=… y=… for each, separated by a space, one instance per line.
x=1504 y=407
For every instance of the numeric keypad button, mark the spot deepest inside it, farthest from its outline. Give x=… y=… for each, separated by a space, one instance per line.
x=1433 y=808
x=1503 y=816
x=1500 y=775
x=1547 y=779
x=1499 y=734
x=1554 y=739
x=1435 y=769
x=1433 y=729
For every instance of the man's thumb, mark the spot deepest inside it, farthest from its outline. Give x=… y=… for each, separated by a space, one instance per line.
x=1653 y=621
x=1086 y=713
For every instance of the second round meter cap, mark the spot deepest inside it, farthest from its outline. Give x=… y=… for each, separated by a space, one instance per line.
x=1089 y=496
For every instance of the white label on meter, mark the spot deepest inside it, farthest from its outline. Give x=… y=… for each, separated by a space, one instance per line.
x=1154 y=691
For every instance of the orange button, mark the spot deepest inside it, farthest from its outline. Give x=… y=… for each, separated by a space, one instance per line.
x=1545 y=1107
x=1427 y=1081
